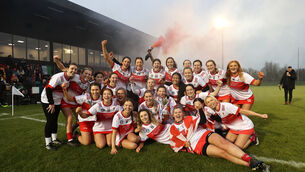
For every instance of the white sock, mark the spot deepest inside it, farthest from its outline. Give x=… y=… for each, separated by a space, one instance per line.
x=48 y=140
x=54 y=136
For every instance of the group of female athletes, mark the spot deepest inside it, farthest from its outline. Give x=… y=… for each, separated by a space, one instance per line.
x=195 y=110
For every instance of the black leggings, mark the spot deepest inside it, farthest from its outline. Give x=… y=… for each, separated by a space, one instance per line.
x=288 y=91
x=52 y=118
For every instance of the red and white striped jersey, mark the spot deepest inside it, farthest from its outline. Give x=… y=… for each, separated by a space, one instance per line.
x=77 y=87
x=86 y=103
x=55 y=84
x=159 y=133
x=172 y=91
x=240 y=88
x=197 y=82
x=187 y=130
x=139 y=77
x=213 y=78
x=201 y=74
x=156 y=110
x=104 y=112
x=157 y=76
x=123 y=75
x=231 y=117
x=168 y=74
x=123 y=125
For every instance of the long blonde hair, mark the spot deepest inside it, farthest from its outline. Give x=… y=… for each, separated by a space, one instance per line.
x=229 y=74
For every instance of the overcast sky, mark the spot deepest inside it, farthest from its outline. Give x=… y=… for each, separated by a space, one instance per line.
x=258 y=30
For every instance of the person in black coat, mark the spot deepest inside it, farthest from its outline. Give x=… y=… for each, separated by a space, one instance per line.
x=288 y=83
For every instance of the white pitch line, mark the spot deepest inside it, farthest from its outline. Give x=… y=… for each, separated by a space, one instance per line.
x=39 y=120
x=290 y=163
x=15 y=117
x=4 y=114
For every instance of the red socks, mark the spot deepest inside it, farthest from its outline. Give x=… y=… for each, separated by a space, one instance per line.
x=69 y=136
x=246 y=157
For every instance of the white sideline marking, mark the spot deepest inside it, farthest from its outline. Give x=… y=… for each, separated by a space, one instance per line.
x=36 y=114
x=39 y=120
x=3 y=114
x=290 y=163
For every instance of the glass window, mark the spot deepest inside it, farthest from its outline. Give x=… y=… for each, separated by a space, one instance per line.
x=97 y=56
x=32 y=51
x=82 y=56
x=44 y=50
x=90 y=57
x=5 y=45
x=19 y=43
x=66 y=53
x=57 y=50
x=74 y=54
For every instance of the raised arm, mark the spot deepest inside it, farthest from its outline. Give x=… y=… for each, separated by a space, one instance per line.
x=59 y=64
x=251 y=113
x=106 y=54
x=259 y=80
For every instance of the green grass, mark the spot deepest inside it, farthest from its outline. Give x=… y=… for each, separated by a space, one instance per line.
x=282 y=137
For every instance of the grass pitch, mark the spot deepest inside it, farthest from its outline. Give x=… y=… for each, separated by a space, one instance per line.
x=281 y=137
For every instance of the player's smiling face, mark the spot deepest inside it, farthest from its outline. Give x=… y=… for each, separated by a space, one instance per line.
x=99 y=78
x=161 y=92
x=211 y=67
x=150 y=84
x=190 y=91
x=107 y=96
x=170 y=63
x=144 y=117
x=197 y=105
x=188 y=74
x=197 y=67
x=176 y=79
x=148 y=97
x=128 y=107
x=139 y=64
x=178 y=115
x=126 y=63
x=157 y=66
x=95 y=91
x=233 y=67
x=86 y=75
x=114 y=78
x=72 y=70
x=211 y=103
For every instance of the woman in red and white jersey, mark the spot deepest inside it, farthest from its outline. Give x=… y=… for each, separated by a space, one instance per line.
x=104 y=111
x=122 y=129
x=149 y=127
x=187 y=101
x=112 y=85
x=200 y=84
x=170 y=69
x=139 y=73
x=123 y=71
x=177 y=88
x=241 y=127
x=153 y=106
x=167 y=104
x=85 y=101
x=150 y=85
x=187 y=134
x=198 y=70
x=157 y=73
x=239 y=83
x=215 y=74
x=79 y=84
x=51 y=97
